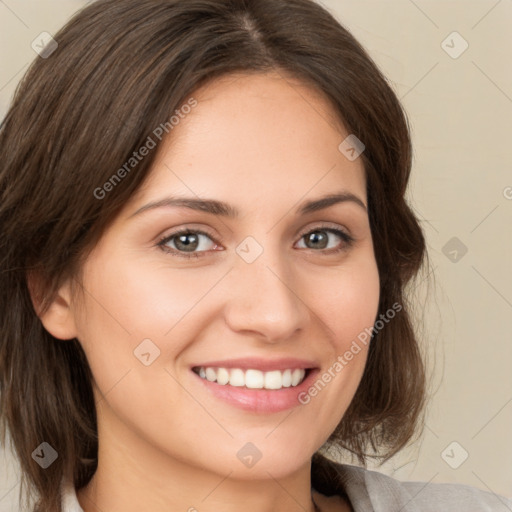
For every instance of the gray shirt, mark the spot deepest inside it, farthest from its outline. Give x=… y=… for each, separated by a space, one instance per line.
x=371 y=491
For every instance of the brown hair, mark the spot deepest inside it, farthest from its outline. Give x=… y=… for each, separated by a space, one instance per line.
x=122 y=67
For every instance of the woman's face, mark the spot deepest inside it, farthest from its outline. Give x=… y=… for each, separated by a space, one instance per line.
x=268 y=292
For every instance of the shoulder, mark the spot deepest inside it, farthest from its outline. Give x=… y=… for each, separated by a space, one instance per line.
x=371 y=491
x=432 y=497
x=455 y=497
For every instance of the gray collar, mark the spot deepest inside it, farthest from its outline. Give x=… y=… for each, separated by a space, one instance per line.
x=370 y=491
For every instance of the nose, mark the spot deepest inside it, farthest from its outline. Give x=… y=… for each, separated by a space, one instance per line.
x=265 y=300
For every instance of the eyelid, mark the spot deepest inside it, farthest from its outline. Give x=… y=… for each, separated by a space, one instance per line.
x=324 y=225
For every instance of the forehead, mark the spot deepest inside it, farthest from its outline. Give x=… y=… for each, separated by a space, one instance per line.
x=273 y=87
x=284 y=106
x=255 y=135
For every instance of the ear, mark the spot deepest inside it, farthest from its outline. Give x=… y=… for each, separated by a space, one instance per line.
x=58 y=319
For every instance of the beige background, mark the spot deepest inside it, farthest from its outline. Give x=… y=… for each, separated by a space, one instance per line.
x=461 y=117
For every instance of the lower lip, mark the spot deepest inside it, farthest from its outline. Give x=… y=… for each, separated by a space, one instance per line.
x=259 y=400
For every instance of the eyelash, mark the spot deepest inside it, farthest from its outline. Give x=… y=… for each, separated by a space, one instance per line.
x=162 y=242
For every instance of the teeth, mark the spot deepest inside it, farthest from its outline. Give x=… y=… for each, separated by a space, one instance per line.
x=297 y=376
x=236 y=377
x=222 y=376
x=211 y=374
x=253 y=379
x=273 y=380
x=287 y=378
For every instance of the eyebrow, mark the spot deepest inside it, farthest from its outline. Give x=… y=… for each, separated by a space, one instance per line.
x=214 y=207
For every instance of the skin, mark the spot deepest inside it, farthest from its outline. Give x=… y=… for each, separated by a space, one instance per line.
x=264 y=144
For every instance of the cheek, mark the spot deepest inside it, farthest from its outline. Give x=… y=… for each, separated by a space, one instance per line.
x=347 y=299
x=128 y=303
x=143 y=298
x=347 y=303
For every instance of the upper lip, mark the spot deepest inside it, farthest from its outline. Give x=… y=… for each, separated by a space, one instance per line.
x=255 y=363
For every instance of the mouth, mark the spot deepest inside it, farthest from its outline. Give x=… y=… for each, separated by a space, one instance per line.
x=253 y=378
x=255 y=384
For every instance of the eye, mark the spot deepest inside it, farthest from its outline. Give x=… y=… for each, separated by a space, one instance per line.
x=318 y=239
x=186 y=241
x=190 y=243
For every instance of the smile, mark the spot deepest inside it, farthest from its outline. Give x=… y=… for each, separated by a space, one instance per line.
x=252 y=378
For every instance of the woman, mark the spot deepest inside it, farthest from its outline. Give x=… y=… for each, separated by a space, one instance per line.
x=172 y=339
